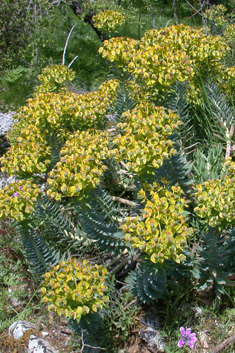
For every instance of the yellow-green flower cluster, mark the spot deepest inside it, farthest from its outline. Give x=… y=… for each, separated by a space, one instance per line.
x=229 y=167
x=229 y=34
x=56 y=110
x=228 y=83
x=119 y=50
x=161 y=230
x=162 y=57
x=90 y=109
x=81 y=167
x=30 y=154
x=54 y=78
x=108 y=21
x=199 y=48
x=74 y=289
x=47 y=113
x=216 y=201
x=17 y=199
x=216 y=14
x=144 y=142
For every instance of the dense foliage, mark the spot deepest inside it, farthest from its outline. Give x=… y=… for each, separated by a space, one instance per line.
x=115 y=171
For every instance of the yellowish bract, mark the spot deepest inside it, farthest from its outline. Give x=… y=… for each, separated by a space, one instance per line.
x=17 y=199
x=161 y=230
x=58 y=114
x=74 y=289
x=29 y=155
x=144 y=141
x=108 y=21
x=163 y=57
x=216 y=14
x=81 y=167
x=54 y=79
x=216 y=200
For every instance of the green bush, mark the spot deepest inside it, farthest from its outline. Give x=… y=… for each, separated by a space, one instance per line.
x=109 y=170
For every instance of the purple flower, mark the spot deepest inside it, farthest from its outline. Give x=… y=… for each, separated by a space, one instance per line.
x=15 y=194
x=187 y=337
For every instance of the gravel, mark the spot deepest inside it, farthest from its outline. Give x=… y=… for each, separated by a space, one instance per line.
x=6 y=120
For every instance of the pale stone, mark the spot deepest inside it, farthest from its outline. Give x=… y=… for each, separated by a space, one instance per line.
x=39 y=345
x=18 y=328
x=203 y=339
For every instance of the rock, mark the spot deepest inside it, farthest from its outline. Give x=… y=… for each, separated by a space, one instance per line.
x=39 y=345
x=14 y=300
x=152 y=337
x=198 y=311
x=35 y=344
x=18 y=328
x=150 y=331
x=6 y=180
x=6 y=120
x=18 y=294
x=203 y=340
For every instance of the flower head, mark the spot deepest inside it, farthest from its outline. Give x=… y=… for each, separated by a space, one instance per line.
x=15 y=194
x=187 y=337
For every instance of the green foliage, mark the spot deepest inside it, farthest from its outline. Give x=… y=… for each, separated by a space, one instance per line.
x=57 y=224
x=38 y=254
x=208 y=164
x=13 y=278
x=99 y=223
x=222 y=113
x=114 y=171
x=39 y=47
x=214 y=266
x=148 y=283
x=14 y=75
x=15 y=30
x=119 y=319
x=177 y=170
x=176 y=100
x=124 y=102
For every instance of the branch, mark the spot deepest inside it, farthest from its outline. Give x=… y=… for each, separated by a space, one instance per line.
x=200 y=12
x=72 y=61
x=223 y=344
x=66 y=44
x=124 y=201
x=119 y=267
x=87 y=345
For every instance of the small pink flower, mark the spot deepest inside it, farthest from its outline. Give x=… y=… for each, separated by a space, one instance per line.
x=187 y=337
x=15 y=194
